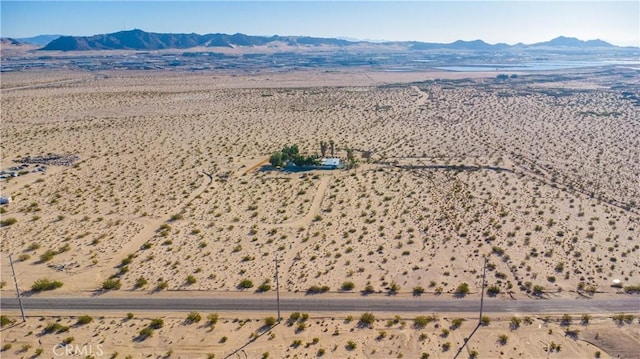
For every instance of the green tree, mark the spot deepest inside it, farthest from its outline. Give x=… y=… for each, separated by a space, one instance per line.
x=276 y=159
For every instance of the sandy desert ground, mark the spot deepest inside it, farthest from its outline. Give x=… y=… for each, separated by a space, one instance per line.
x=538 y=173
x=305 y=335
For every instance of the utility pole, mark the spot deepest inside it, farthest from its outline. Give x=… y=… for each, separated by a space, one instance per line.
x=15 y=280
x=484 y=269
x=277 y=288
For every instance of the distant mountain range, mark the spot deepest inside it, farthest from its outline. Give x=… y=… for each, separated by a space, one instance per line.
x=141 y=40
x=40 y=40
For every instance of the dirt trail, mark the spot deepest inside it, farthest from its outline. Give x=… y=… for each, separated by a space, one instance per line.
x=90 y=279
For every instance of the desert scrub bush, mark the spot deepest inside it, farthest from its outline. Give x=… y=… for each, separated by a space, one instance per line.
x=462 y=289
x=515 y=323
x=45 y=284
x=8 y=221
x=145 y=333
x=47 y=256
x=6 y=347
x=55 y=328
x=456 y=323
x=140 y=282
x=418 y=290
x=193 y=317
x=156 y=323
x=632 y=289
x=502 y=339
x=347 y=286
x=212 y=319
x=622 y=318
x=111 y=284
x=162 y=285
x=394 y=288
x=538 y=290
x=4 y=320
x=245 y=284
x=566 y=319
x=485 y=320
x=351 y=345
x=422 y=321
x=366 y=319
x=493 y=290
x=84 y=319
x=314 y=289
x=269 y=321
x=191 y=279
x=368 y=289
x=264 y=287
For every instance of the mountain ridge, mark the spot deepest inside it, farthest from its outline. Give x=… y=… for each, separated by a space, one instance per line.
x=137 y=39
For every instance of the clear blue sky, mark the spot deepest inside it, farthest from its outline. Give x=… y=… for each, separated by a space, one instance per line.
x=512 y=21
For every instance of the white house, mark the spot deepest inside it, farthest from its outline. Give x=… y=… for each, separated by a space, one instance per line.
x=331 y=163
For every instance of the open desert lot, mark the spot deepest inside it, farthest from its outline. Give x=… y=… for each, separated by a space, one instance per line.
x=145 y=182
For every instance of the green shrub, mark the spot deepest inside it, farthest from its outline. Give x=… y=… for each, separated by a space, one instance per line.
x=346 y=286
x=418 y=290
x=145 y=333
x=502 y=339
x=4 y=320
x=45 y=284
x=264 y=287
x=156 y=323
x=111 y=283
x=213 y=319
x=141 y=282
x=462 y=290
x=632 y=289
x=193 y=317
x=162 y=285
x=84 y=319
x=314 y=289
x=55 y=327
x=493 y=290
x=245 y=284
x=367 y=319
x=456 y=323
x=47 y=256
x=269 y=321
x=8 y=221
x=422 y=321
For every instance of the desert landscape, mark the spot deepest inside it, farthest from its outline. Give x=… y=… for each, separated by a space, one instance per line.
x=165 y=190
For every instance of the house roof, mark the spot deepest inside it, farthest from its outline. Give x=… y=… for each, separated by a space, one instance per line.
x=330 y=162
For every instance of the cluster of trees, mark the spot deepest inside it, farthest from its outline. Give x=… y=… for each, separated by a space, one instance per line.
x=292 y=154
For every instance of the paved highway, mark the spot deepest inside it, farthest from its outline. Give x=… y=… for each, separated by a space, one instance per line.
x=625 y=304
